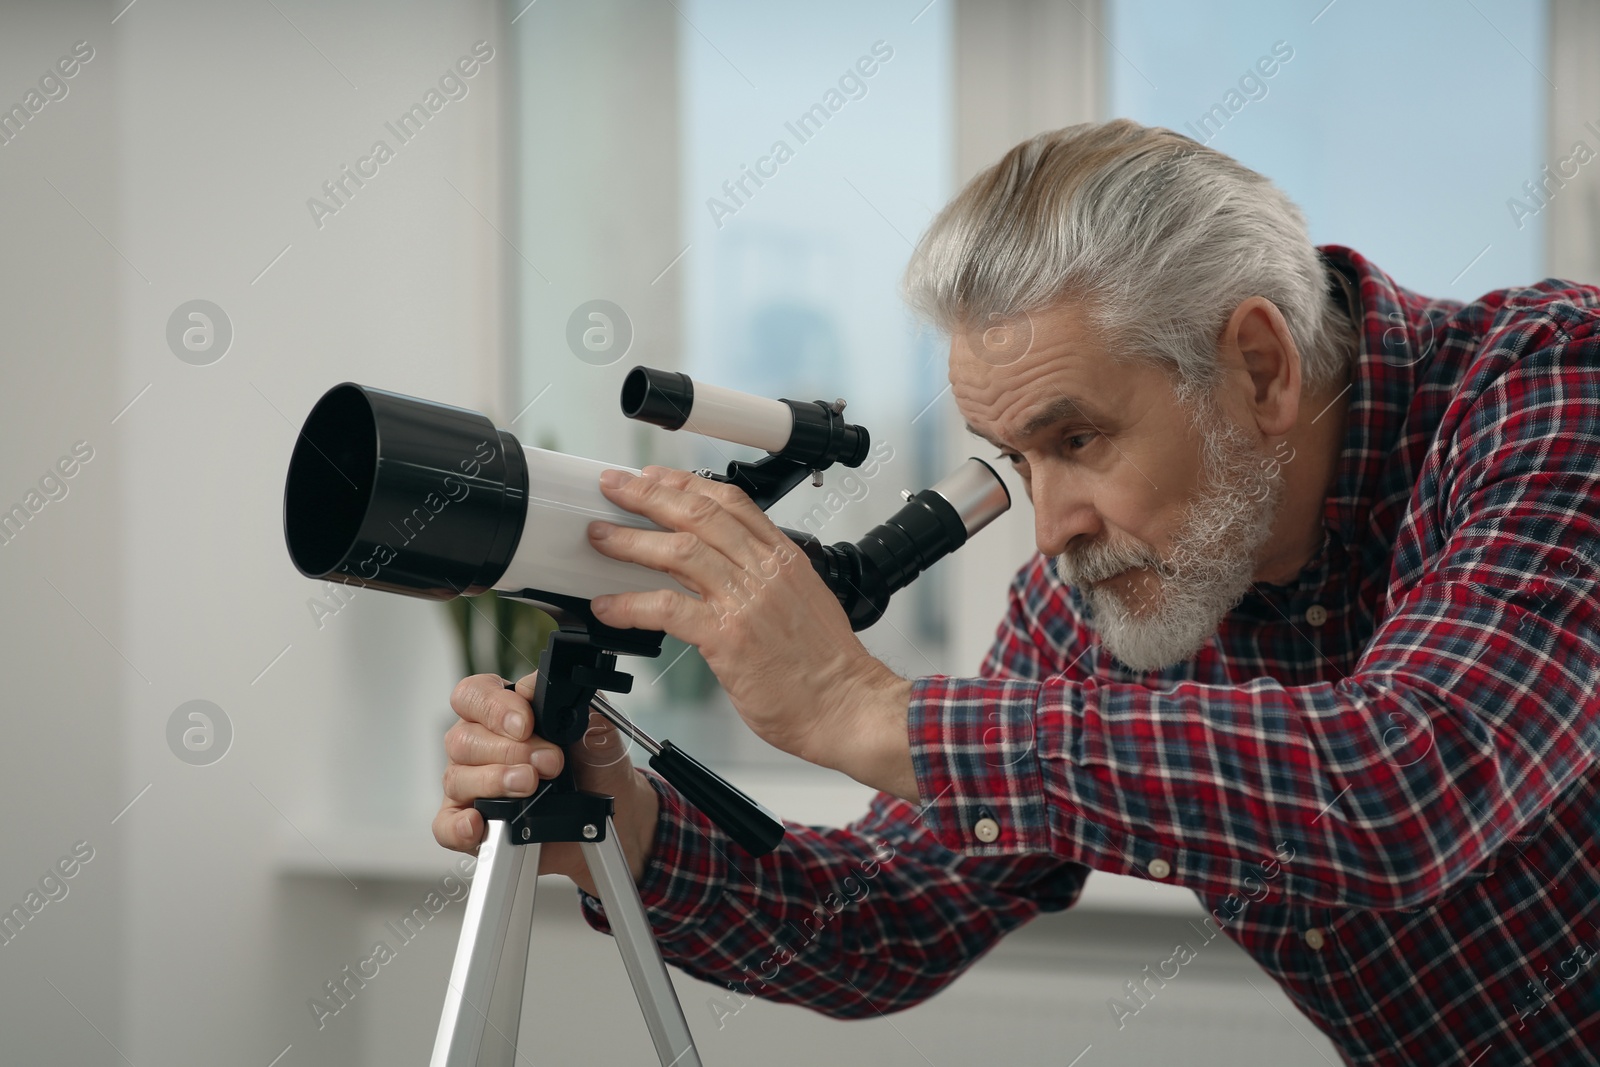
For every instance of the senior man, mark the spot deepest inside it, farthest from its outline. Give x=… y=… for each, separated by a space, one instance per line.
x=1311 y=631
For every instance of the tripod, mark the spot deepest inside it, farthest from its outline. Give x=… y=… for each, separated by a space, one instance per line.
x=483 y=1003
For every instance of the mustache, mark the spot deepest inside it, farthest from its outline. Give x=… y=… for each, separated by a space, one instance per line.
x=1226 y=461
x=1097 y=562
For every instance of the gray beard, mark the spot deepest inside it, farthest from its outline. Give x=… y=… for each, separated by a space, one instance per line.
x=1169 y=617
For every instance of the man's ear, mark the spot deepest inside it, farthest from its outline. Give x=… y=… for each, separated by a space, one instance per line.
x=1257 y=348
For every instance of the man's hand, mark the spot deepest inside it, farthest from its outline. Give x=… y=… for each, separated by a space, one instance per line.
x=494 y=752
x=767 y=625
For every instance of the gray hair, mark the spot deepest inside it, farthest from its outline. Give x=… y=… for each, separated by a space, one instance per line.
x=1159 y=237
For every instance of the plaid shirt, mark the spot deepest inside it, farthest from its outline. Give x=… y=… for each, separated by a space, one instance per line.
x=1378 y=778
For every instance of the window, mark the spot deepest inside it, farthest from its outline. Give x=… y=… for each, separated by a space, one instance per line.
x=1401 y=130
x=745 y=183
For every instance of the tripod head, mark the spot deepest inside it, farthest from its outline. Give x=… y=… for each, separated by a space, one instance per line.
x=573 y=670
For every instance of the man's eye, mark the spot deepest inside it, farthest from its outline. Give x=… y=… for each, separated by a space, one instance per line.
x=1079 y=441
x=1010 y=457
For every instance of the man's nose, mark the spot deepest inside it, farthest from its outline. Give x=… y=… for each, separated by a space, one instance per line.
x=1060 y=515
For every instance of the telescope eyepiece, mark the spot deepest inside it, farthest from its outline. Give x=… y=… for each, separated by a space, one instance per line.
x=662 y=398
x=931 y=525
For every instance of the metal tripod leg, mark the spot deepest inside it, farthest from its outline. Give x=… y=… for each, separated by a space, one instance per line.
x=663 y=1015
x=483 y=1004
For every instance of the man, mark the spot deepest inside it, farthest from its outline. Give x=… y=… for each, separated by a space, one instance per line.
x=1311 y=631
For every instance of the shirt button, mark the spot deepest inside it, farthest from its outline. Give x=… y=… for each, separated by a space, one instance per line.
x=1159 y=868
x=1315 y=940
x=1316 y=615
x=987 y=830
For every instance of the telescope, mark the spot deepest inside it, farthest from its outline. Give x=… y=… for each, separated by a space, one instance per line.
x=424 y=499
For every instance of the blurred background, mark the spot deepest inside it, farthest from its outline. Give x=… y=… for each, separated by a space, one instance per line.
x=202 y=236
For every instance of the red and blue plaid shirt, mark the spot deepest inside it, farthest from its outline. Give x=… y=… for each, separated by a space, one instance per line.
x=1379 y=779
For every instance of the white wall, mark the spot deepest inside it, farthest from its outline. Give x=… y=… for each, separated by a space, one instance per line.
x=231 y=118
x=190 y=143
x=60 y=586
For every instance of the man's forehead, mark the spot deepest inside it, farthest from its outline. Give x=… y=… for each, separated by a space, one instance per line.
x=1054 y=379
x=1048 y=411
x=987 y=354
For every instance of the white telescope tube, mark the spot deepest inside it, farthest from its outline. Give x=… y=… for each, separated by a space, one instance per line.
x=729 y=415
x=675 y=401
x=553 y=554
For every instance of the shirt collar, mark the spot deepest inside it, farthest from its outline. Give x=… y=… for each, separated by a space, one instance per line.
x=1394 y=349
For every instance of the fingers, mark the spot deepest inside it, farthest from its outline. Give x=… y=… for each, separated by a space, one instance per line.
x=675 y=613
x=735 y=500
x=483 y=698
x=464 y=784
x=696 y=565
x=485 y=764
x=458 y=829
x=490 y=757
x=474 y=745
x=720 y=515
x=716 y=544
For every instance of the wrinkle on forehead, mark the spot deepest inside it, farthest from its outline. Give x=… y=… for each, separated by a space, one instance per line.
x=1001 y=401
x=1053 y=411
x=1064 y=348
